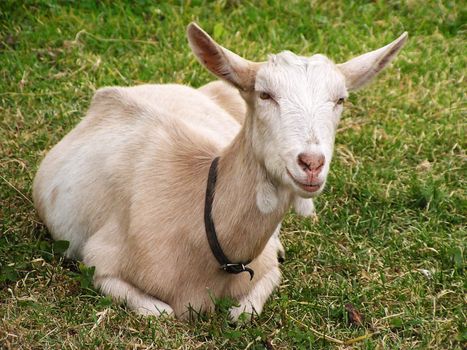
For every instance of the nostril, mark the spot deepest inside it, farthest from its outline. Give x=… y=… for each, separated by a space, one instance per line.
x=311 y=162
x=320 y=162
x=302 y=162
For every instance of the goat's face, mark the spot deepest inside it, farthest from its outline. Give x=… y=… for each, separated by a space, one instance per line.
x=296 y=103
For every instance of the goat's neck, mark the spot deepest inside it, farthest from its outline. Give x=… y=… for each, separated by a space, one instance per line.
x=243 y=228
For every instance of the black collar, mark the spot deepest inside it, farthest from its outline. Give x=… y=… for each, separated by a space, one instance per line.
x=216 y=249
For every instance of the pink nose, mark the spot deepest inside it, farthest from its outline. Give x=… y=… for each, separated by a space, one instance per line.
x=311 y=163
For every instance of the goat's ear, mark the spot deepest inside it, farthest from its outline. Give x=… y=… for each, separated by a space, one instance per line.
x=221 y=62
x=361 y=69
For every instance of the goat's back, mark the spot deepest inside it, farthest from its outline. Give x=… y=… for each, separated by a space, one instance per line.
x=131 y=138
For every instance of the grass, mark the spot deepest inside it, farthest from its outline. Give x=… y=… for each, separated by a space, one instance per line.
x=390 y=236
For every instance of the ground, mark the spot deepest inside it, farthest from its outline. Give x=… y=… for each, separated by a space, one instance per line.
x=389 y=239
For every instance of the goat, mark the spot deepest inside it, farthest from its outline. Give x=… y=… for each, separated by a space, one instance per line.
x=127 y=186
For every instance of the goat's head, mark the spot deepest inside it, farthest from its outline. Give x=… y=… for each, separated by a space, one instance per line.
x=295 y=104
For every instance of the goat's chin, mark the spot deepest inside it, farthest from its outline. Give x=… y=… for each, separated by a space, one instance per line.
x=312 y=193
x=302 y=191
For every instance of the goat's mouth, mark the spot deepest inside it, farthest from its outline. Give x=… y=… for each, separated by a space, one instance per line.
x=308 y=187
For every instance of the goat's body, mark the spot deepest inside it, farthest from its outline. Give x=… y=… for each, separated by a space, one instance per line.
x=227 y=97
x=126 y=187
x=122 y=186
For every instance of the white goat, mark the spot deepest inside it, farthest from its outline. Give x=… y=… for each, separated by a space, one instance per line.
x=127 y=186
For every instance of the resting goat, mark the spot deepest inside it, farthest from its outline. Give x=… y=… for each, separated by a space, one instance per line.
x=129 y=189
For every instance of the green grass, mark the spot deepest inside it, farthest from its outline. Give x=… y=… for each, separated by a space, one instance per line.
x=390 y=237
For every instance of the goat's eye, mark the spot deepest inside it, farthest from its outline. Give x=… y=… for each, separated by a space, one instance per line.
x=264 y=95
x=340 y=101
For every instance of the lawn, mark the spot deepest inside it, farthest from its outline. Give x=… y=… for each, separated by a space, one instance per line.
x=389 y=238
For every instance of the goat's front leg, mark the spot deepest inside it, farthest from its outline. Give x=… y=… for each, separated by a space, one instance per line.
x=100 y=251
x=254 y=302
x=136 y=299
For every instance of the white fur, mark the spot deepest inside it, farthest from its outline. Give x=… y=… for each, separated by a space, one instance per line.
x=305 y=208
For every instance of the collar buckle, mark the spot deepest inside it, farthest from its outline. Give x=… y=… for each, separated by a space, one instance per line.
x=237 y=268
